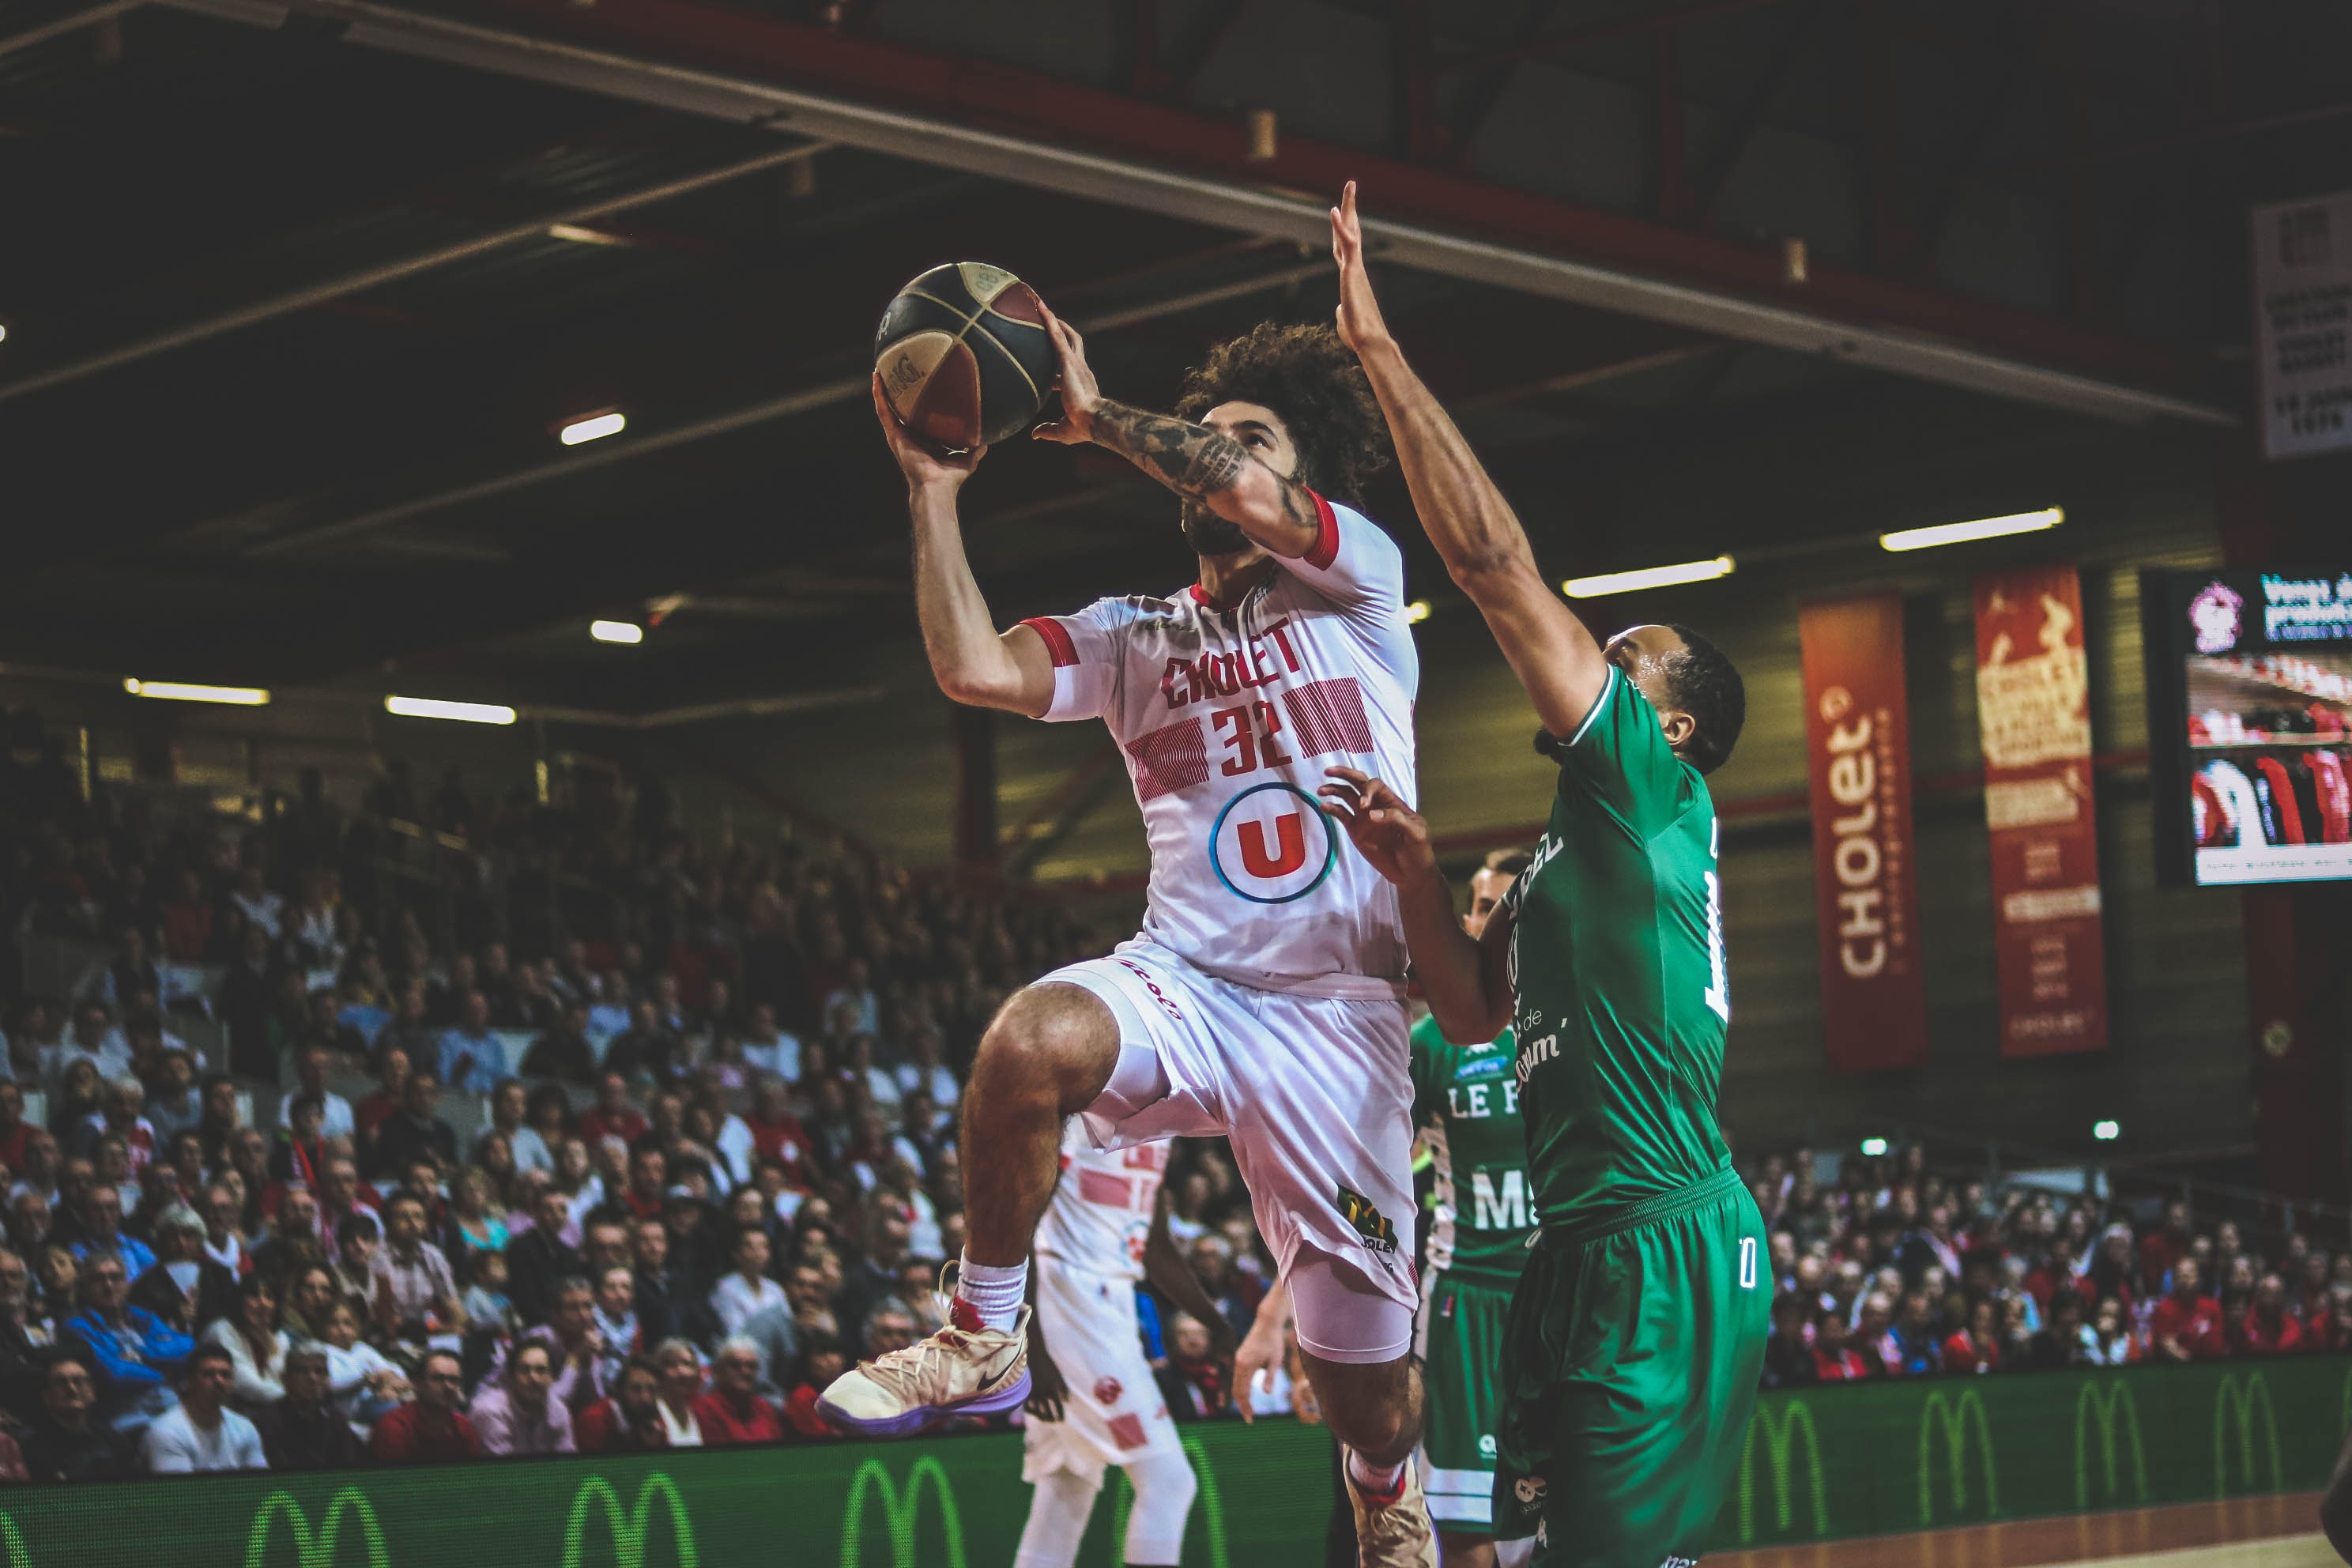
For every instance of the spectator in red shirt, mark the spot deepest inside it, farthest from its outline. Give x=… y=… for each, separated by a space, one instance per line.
x=823 y=1361
x=2057 y=1274
x=2186 y=1324
x=430 y=1429
x=1977 y=1348
x=646 y=1196
x=777 y=1136
x=612 y=1116
x=730 y=1413
x=2163 y=1249
x=630 y=1421
x=1834 y=1358
x=2267 y=1327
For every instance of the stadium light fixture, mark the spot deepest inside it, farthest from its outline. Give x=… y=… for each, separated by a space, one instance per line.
x=1982 y=528
x=185 y=692
x=1873 y=1148
x=464 y=712
x=1416 y=612
x=616 y=631
x=2107 y=1131
x=4 y=331
x=1609 y=583
x=592 y=427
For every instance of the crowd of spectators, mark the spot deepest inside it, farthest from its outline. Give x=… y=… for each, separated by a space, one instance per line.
x=1893 y=1271
x=713 y=1160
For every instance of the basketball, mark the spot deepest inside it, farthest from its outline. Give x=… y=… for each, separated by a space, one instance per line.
x=963 y=355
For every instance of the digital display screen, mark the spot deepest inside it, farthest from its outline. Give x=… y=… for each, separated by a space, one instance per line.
x=2251 y=694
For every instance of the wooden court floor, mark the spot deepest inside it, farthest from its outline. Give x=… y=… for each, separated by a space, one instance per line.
x=2239 y=1533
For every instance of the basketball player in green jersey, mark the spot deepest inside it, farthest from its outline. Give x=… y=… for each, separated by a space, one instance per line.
x=1637 y=1330
x=1466 y=1103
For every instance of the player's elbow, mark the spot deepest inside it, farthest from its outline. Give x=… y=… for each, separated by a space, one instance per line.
x=1493 y=574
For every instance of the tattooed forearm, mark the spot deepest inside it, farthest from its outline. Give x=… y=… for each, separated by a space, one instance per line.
x=1190 y=459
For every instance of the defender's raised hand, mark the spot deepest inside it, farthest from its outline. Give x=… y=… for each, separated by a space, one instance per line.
x=1383 y=829
x=1360 y=324
x=1080 y=394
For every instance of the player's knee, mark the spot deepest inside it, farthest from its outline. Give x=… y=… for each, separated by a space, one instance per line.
x=1051 y=1042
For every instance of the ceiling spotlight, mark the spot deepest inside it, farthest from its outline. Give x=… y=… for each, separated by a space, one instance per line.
x=2107 y=1131
x=1416 y=612
x=1982 y=528
x=184 y=691
x=616 y=631
x=4 y=331
x=1874 y=1147
x=592 y=427
x=1648 y=577
x=464 y=712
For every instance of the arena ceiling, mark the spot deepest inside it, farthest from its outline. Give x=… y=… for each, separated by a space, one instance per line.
x=298 y=293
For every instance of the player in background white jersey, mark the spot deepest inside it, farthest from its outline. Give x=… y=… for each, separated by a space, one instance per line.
x=1263 y=999
x=1092 y=1400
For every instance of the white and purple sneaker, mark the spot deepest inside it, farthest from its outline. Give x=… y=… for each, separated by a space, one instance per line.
x=962 y=1370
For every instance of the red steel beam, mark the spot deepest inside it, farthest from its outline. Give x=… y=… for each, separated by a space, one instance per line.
x=1025 y=103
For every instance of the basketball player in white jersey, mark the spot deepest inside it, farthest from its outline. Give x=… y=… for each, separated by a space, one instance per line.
x=1263 y=998
x=1092 y=1402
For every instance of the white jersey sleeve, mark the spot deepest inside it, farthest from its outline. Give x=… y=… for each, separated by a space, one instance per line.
x=1089 y=658
x=1353 y=563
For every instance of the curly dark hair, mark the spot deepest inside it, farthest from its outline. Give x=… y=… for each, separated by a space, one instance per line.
x=1309 y=377
x=1706 y=683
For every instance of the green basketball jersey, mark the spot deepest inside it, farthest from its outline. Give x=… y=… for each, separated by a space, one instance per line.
x=1467 y=1098
x=1616 y=959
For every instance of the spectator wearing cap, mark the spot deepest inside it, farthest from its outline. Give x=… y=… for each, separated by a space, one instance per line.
x=255 y=1344
x=304 y=1431
x=201 y=1434
x=185 y=1288
x=67 y=1441
x=519 y=1413
x=336 y=1117
x=733 y=1413
x=630 y=1420
x=2185 y=1323
x=431 y=1428
x=136 y=1354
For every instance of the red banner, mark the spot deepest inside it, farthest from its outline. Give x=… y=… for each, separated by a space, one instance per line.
x=1858 y=751
x=2034 y=710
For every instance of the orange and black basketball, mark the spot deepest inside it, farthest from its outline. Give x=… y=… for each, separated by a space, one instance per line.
x=963 y=355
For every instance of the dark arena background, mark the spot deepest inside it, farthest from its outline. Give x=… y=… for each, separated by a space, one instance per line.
x=456 y=617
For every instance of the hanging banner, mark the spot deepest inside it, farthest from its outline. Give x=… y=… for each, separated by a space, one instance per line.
x=2034 y=710
x=2302 y=353
x=1858 y=753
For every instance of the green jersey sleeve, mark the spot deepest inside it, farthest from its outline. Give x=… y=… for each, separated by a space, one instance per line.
x=1427 y=1048
x=1619 y=758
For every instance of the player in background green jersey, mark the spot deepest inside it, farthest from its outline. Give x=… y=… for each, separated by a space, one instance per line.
x=1637 y=1331
x=1466 y=1103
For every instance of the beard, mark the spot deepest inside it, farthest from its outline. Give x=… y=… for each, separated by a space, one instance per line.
x=1210 y=534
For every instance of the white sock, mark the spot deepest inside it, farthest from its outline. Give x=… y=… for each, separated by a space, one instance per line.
x=1379 y=1481
x=993 y=1294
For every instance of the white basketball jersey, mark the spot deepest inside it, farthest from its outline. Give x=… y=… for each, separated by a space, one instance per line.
x=1100 y=1216
x=1227 y=716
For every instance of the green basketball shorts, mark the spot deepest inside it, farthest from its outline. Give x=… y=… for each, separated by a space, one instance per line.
x=1461 y=1350
x=1630 y=1366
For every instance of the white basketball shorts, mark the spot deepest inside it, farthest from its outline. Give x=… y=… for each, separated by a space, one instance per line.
x=1113 y=1413
x=1315 y=1096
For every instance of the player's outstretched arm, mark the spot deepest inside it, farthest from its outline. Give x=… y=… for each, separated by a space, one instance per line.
x=1461 y=979
x=1485 y=549
x=1196 y=462
x=973 y=664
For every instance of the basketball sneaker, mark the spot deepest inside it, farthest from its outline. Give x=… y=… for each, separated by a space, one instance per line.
x=957 y=1372
x=1391 y=1531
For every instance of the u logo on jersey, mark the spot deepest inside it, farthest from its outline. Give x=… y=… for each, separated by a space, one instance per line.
x=1272 y=843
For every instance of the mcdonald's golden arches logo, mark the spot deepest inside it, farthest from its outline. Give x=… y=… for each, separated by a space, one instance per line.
x=628 y=1529
x=2102 y=1406
x=898 y=1511
x=2230 y=1402
x=1212 y=1501
x=1778 y=1442
x=1953 y=1416
x=312 y=1550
